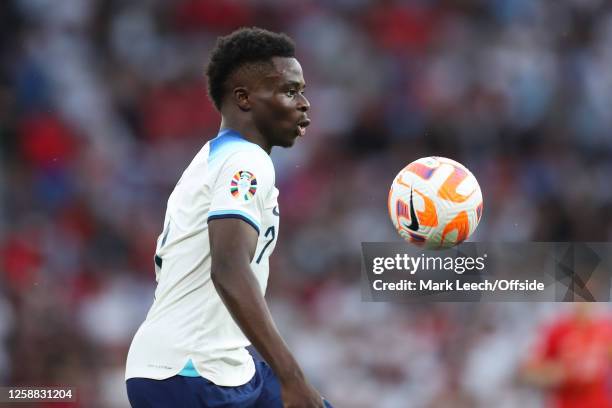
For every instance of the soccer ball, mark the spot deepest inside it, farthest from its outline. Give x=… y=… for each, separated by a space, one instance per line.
x=435 y=202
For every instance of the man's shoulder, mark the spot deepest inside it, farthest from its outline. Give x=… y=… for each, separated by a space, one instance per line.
x=226 y=147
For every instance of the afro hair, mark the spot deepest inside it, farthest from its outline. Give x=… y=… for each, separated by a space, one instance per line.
x=243 y=46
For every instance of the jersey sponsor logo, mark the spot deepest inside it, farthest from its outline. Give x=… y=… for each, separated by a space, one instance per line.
x=243 y=185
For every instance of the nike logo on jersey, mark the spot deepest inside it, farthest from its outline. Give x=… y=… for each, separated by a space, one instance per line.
x=414 y=225
x=275 y=211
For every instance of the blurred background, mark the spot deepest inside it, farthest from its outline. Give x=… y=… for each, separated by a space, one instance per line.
x=103 y=104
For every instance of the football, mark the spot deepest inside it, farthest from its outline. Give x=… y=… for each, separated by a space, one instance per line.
x=435 y=202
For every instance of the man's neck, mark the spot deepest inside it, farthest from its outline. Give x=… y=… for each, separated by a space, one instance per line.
x=247 y=130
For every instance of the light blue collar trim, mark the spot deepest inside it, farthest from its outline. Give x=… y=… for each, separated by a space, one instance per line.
x=230 y=132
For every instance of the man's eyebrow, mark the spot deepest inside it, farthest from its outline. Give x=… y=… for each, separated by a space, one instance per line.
x=295 y=83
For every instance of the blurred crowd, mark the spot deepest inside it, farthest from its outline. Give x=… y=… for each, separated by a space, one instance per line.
x=103 y=104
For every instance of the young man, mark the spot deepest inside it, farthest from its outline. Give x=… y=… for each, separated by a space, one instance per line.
x=221 y=226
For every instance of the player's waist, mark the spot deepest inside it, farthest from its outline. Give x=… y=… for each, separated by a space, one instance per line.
x=223 y=367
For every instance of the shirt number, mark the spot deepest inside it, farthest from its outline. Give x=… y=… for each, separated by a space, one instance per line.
x=270 y=231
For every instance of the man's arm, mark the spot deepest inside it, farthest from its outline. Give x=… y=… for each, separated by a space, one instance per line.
x=232 y=246
x=543 y=373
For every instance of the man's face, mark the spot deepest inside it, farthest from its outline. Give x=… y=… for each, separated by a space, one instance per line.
x=278 y=104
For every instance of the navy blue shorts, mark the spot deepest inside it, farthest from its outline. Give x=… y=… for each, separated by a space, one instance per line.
x=263 y=391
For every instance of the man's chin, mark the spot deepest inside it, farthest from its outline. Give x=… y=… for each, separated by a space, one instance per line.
x=288 y=142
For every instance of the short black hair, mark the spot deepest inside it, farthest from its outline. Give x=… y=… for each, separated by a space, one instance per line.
x=243 y=46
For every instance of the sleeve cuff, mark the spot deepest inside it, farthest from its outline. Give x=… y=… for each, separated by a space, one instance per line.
x=215 y=215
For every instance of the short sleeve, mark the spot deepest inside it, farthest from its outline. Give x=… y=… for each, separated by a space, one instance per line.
x=241 y=188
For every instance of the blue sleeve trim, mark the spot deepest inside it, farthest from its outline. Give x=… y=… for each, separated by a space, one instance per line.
x=215 y=215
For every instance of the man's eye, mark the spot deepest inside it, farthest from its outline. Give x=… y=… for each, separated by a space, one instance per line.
x=294 y=92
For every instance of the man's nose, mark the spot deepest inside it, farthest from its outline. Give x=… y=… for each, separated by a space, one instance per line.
x=303 y=104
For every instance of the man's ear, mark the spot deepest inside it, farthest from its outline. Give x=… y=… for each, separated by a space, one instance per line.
x=241 y=97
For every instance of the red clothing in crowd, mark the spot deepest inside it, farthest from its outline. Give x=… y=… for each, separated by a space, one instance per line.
x=582 y=346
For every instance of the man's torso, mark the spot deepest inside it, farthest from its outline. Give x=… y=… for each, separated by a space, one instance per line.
x=188 y=322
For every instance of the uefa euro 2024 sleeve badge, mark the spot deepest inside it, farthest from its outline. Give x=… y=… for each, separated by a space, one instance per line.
x=243 y=185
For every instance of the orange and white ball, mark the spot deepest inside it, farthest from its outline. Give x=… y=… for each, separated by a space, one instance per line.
x=435 y=202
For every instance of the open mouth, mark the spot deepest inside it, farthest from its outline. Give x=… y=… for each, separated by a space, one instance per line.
x=301 y=127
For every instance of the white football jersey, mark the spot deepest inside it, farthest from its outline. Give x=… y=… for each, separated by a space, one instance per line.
x=188 y=324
